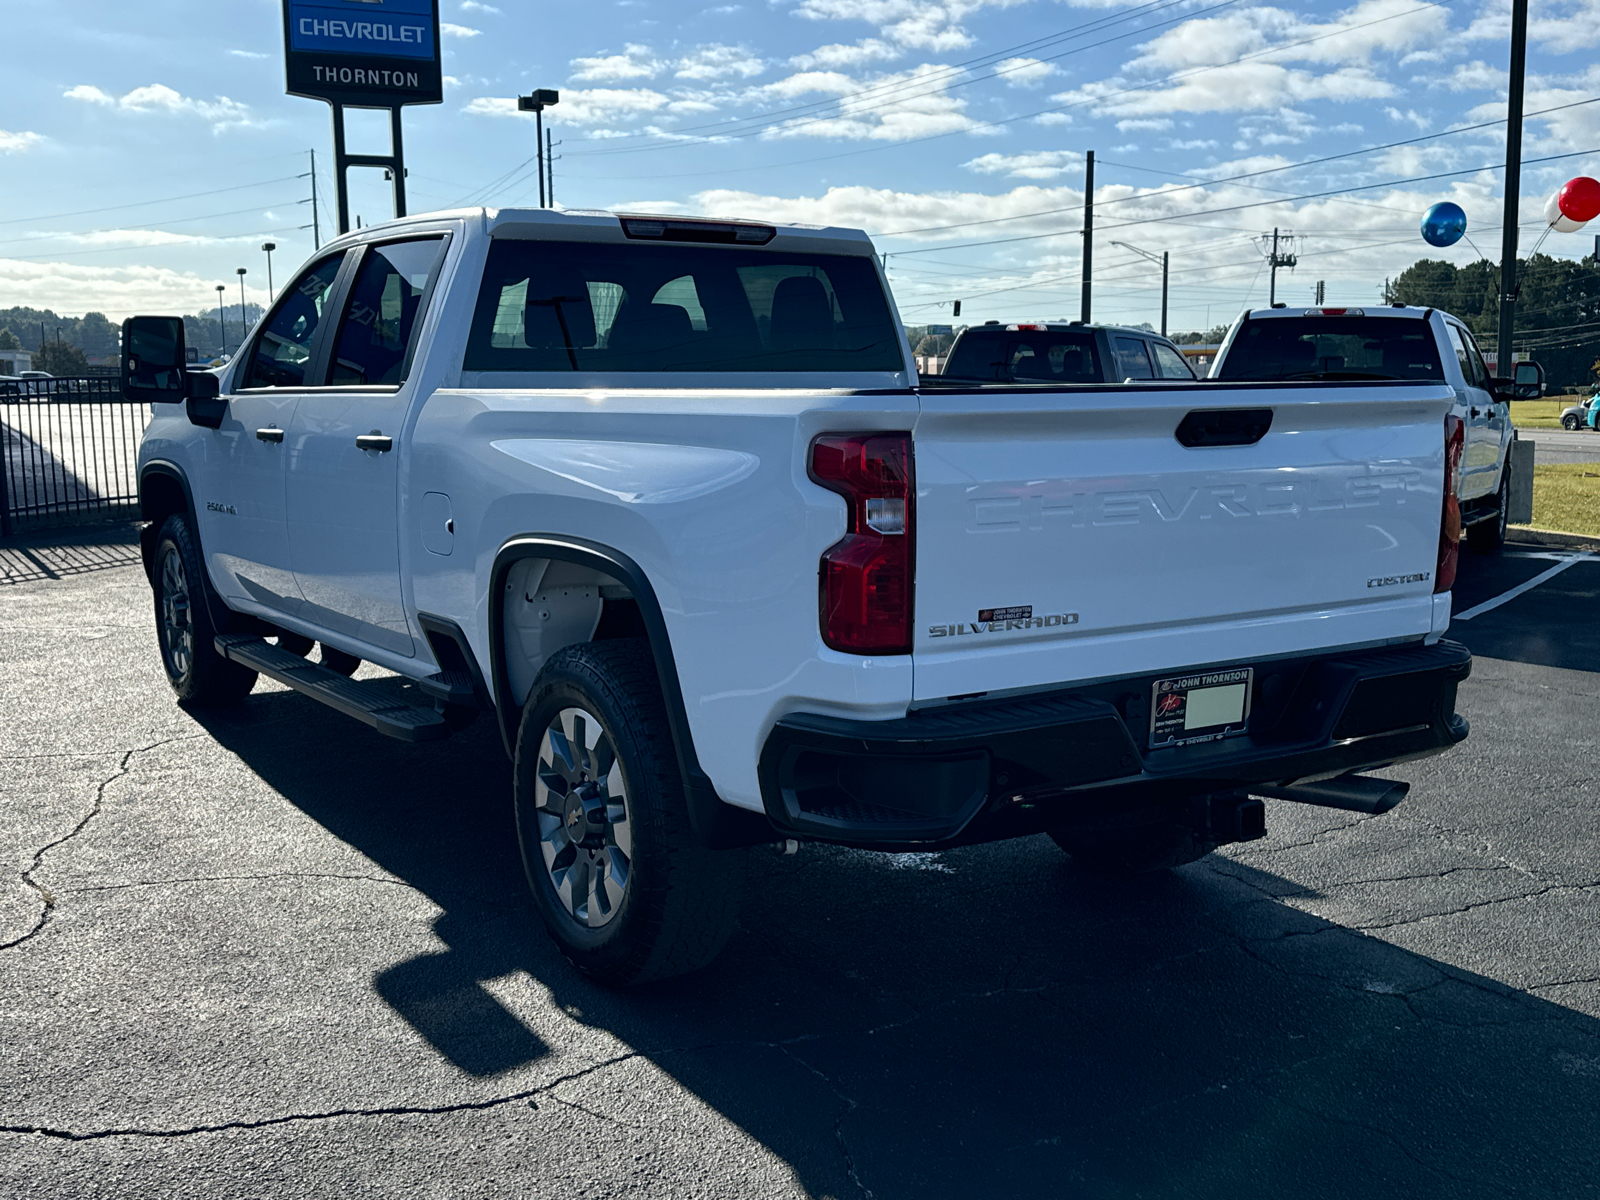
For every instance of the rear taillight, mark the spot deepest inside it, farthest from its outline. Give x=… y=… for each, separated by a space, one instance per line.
x=1444 y=571
x=866 y=575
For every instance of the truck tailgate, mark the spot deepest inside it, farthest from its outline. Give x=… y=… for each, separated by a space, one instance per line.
x=1068 y=535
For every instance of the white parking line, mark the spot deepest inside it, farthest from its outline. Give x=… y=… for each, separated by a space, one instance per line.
x=1565 y=561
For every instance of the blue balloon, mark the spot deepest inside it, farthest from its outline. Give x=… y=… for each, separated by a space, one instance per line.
x=1444 y=224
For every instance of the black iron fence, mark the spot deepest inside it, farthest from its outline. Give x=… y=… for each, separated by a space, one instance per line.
x=68 y=449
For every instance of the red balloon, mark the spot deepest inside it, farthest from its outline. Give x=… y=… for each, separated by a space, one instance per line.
x=1579 y=199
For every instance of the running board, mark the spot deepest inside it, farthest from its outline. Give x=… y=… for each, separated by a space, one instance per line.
x=372 y=705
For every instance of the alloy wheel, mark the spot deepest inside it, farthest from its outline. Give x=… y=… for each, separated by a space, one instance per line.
x=177 y=624
x=581 y=801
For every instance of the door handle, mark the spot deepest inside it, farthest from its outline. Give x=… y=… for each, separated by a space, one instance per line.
x=1474 y=412
x=269 y=435
x=380 y=442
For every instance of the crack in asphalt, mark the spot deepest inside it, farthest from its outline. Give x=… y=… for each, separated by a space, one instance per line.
x=397 y=1110
x=850 y=1106
x=265 y=877
x=47 y=898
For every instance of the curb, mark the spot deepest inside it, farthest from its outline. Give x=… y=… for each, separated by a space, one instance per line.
x=1526 y=534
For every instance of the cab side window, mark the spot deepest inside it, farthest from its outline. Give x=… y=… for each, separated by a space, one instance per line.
x=382 y=312
x=283 y=351
x=1169 y=363
x=1472 y=368
x=1480 y=375
x=1133 y=361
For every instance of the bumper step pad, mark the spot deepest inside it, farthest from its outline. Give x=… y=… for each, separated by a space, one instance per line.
x=368 y=702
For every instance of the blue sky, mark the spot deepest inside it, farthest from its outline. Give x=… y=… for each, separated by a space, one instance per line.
x=146 y=150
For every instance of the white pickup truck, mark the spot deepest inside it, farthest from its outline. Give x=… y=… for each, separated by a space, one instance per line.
x=1390 y=342
x=666 y=500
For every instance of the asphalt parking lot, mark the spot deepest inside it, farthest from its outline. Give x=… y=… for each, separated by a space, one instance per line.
x=271 y=954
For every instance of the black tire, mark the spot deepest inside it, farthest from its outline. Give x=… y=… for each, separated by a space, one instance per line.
x=338 y=661
x=199 y=676
x=1486 y=537
x=676 y=904
x=1570 y=422
x=1137 y=851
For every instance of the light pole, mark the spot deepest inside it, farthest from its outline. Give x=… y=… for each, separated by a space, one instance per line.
x=269 y=247
x=536 y=103
x=1504 y=361
x=222 y=319
x=244 y=323
x=1163 y=261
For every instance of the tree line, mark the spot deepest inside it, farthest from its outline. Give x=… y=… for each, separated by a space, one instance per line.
x=69 y=342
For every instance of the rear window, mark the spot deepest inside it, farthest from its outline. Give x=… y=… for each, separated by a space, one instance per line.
x=579 y=306
x=1004 y=356
x=1333 y=348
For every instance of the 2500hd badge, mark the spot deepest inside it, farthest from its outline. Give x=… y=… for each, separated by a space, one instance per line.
x=999 y=620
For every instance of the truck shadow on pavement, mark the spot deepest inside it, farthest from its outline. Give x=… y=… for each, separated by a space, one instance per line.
x=983 y=1022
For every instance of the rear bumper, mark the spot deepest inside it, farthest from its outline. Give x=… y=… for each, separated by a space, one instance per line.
x=983 y=770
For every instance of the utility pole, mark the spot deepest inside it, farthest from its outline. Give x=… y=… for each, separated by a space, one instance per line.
x=1508 y=227
x=1321 y=291
x=222 y=319
x=1165 y=255
x=550 y=164
x=316 y=228
x=536 y=103
x=1276 y=260
x=1088 y=234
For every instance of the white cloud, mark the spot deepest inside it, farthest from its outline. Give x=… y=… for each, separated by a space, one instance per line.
x=474 y=6
x=1202 y=53
x=248 y=54
x=1557 y=26
x=1041 y=164
x=635 y=62
x=222 y=112
x=1024 y=72
x=458 y=31
x=1154 y=124
x=1411 y=116
x=116 y=291
x=580 y=106
x=893 y=107
x=14 y=143
x=915 y=24
x=1475 y=76
x=717 y=61
x=837 y=55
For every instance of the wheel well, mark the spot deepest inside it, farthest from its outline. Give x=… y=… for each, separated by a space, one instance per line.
x=548 y=605
x=160 y=495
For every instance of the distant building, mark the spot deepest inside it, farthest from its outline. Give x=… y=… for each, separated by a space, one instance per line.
x=15 y=362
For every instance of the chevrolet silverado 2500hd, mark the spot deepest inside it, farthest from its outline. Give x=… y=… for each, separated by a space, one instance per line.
x=665 y=500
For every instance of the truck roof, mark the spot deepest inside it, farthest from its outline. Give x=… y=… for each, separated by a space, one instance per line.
x=605 y=225
x=1329 y=310
x=1059 y=326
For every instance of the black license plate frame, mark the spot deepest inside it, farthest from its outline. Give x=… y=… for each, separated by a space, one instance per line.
x=1202 y=694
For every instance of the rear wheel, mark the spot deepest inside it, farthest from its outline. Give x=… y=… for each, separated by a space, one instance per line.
x=198 y=674
x=622 y=884
x=1488 y=536
x=1137 y=851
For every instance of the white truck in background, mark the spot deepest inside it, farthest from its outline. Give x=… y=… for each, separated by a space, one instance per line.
x=1394 y=342
x=666 y=500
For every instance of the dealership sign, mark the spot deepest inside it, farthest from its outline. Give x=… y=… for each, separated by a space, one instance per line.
x=364 y=53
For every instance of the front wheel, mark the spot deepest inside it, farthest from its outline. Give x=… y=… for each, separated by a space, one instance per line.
x=1570 y=422
x=622 y=884
x=198 y=674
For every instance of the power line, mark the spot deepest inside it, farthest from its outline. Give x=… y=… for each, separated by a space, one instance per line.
x=83 y=212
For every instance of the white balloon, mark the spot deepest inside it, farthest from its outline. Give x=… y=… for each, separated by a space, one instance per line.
x=1556 y=219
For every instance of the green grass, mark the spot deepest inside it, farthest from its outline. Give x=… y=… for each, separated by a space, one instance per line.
x=1540 y=414
x=1566 y=497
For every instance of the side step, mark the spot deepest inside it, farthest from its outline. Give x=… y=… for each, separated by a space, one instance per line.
x=355 y=698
